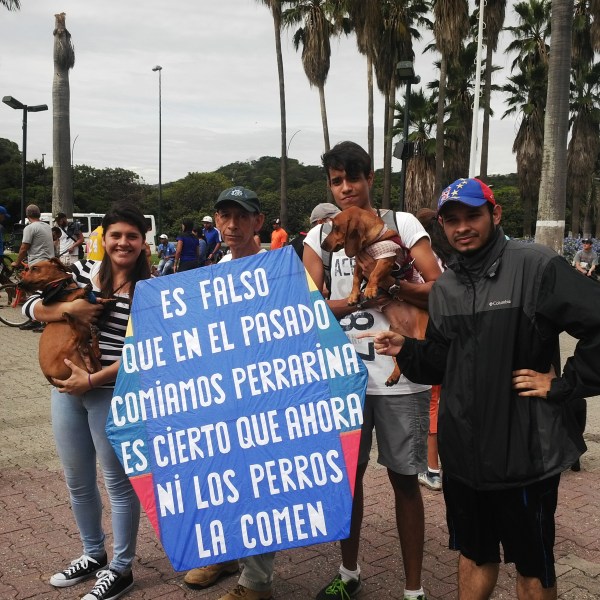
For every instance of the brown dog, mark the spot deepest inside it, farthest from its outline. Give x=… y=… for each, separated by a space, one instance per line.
x=357 y=230
x=63 y=339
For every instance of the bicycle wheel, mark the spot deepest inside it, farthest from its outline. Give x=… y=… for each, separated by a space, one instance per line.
x=10 y=315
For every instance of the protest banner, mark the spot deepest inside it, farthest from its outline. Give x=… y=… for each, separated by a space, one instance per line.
x=237 y=410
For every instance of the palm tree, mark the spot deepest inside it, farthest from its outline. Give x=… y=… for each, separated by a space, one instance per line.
x=316 y=49
x=584 y=108
x=275 y=7
x=459 y=108
x=527 y=96
x=420 y=169
x=392 y=45
x=552 y=201
x=450 y=27
x=11 y=4
x=365 y=17
x=494 y=21
x=595 y=27
x=582 y=48
x=62 y=176
x=585 y=137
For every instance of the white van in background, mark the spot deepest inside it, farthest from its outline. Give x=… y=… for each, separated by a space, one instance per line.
x=89 y=221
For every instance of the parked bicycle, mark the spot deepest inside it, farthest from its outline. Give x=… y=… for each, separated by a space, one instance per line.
x=11 y=297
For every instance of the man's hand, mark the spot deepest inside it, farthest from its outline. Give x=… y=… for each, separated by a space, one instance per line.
x=533 y=383
x=385 y=342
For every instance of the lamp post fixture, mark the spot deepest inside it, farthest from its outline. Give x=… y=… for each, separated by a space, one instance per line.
x=290 y=142
x=14 y=103
x=406 y=74
x=73 y=151
x=159 y=69
x=73 y=167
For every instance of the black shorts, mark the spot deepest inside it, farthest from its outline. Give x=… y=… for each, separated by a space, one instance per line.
x=521 y=519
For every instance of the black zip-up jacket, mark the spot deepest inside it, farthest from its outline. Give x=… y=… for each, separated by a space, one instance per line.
x=490 y=314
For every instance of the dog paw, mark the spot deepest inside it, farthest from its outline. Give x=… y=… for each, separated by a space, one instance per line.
x=370 y=292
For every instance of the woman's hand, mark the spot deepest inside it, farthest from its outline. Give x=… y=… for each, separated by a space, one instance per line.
x=77 y=383
x=84 y=311
x=385 y=342
x=81 y=310
x=533 y=383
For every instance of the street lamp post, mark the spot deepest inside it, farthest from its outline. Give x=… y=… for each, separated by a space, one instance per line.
x=406 y=74
x=14 y=103
x=159 y=69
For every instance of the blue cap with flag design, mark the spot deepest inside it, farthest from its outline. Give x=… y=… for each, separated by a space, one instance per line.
x=471 y=192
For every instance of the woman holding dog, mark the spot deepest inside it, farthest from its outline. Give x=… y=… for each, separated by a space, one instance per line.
x=80 y=405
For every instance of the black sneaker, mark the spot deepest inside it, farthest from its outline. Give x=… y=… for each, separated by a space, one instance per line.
x=340 y=590
x=81 y=568
x=110 y=585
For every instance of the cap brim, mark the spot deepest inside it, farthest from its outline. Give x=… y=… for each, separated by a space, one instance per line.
x=245 y=205
x=469 y=201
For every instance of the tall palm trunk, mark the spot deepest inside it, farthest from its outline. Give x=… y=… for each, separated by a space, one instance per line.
x=487 y=98
x=283 y=212
x=64 y=59
x=439 y=133
x=324 y=117
x=587 y=220
x=370 y=128
x=595 y=204
x=552 y=201
x=390 y=103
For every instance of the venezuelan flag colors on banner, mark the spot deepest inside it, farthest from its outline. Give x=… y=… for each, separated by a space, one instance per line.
x=237 y=410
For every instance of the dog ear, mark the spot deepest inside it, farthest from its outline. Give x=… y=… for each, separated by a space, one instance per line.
x=352 y=245
x=355 y=236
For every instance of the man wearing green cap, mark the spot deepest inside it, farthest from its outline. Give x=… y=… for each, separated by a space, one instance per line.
x=506 y=428
x=238 y=215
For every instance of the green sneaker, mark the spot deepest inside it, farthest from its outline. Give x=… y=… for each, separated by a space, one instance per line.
x=419 y=597
x=340 y=590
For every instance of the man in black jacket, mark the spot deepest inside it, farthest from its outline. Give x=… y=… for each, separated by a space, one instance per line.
x=506 y=424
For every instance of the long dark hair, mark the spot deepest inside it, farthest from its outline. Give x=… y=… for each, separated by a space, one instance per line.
x=188 y=226
x=130 y=214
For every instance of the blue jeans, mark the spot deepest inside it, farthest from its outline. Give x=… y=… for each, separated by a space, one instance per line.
x=78 y=424
x=165 y=266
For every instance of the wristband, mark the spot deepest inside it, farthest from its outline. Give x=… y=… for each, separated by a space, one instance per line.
x=90 y=381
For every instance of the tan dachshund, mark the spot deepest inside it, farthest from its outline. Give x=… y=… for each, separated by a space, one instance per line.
x=70 y=338
x=357 y=230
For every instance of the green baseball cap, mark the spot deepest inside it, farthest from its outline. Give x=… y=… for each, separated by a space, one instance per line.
x=246 y=198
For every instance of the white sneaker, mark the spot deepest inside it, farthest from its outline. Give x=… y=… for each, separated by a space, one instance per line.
x=433 y=482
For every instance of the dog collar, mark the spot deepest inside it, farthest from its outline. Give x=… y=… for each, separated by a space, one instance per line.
x=55 y=290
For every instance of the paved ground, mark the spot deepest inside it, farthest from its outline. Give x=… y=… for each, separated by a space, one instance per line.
x=37 y=532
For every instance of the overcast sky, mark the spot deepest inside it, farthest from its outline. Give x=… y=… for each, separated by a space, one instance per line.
x=220 y=96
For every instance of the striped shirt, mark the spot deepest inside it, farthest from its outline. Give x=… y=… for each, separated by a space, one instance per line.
x=112 y=325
